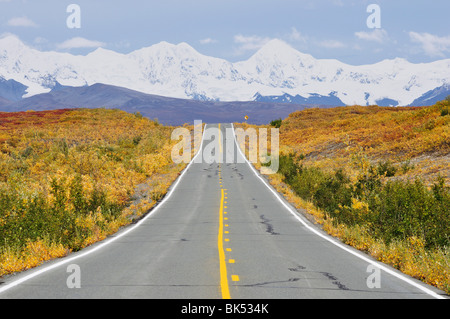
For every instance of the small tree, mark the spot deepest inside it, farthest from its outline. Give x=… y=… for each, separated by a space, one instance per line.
x=277 y=123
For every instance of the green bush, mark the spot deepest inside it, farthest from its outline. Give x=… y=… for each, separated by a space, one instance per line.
x=403 y=209
x=276 y=123
x=288 y=167
x=33 y=218
x=334 y=193
x=386 y=169
x=396 y=210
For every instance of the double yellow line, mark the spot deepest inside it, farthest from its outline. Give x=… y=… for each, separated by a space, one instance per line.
x=223 y=265
x=222 y=259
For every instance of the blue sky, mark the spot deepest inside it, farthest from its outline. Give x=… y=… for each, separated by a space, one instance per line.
x=418 y=31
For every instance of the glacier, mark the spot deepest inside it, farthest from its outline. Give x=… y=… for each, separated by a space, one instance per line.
x=275 y=72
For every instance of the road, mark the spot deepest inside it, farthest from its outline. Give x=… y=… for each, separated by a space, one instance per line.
x=221 y=232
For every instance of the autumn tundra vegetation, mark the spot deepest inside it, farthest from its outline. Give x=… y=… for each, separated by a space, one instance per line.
x=69 y=178
x=375 y=177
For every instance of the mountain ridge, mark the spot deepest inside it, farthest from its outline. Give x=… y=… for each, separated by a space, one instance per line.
x=276 y=70
x=169 y=111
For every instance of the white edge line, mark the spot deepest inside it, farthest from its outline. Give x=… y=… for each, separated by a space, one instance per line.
x=330 y=239
x=107 y=241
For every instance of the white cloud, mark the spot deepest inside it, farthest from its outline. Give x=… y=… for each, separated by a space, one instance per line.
x=296 y=35
x=21 y=22
x=433 y=45
x=78 y=42
x=208 y=41
x=377 y=35
x=332 y=44
x=40 y=40
x=249 y=43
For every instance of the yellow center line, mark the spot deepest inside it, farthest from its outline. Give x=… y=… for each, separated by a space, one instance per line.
x=225 y=289
x=222 y=261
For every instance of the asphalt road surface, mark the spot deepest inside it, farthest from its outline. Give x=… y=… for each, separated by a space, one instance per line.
x=221 y=232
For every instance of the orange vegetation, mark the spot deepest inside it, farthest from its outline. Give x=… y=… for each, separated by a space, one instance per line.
x=68 y=178
x=396 y=147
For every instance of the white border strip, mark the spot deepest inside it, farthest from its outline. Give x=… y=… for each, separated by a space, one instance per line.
x=334 y=242
x=108 y=241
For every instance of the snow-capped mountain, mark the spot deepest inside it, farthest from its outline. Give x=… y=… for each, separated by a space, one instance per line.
x=276 y=72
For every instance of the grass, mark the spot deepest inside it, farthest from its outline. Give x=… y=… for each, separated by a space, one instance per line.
x=68 y=178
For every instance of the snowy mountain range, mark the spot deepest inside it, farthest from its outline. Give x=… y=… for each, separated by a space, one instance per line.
x=276 y=73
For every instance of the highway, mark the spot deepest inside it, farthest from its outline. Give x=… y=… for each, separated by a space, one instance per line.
x=221 y=233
